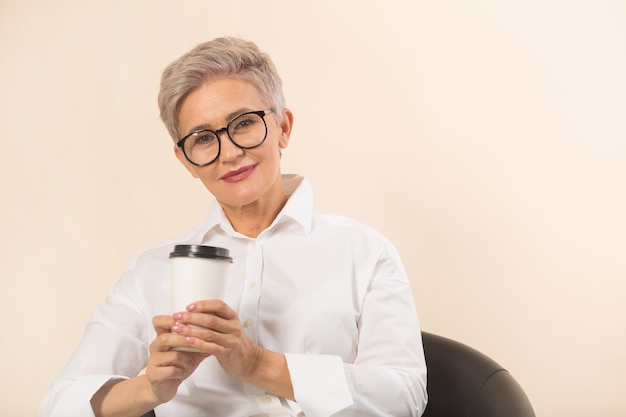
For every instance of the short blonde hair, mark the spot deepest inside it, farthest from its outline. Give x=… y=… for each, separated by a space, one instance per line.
x=220 y=57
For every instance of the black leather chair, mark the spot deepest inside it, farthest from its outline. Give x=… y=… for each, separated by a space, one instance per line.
x=464 y=382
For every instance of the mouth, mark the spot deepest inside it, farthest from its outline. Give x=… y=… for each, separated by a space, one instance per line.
x=238 y=174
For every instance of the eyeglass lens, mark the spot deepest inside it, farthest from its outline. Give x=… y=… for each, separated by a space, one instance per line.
x=246 y=131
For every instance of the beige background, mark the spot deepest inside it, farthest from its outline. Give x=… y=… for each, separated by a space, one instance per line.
x=485 y=138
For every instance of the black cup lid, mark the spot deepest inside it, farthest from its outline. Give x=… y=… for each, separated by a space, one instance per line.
x=200 y=251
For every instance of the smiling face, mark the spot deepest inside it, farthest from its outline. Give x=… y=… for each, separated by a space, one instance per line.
x=239 y=178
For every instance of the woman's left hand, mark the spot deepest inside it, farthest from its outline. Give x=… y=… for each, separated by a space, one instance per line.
x=219 y=333
x=214 y=328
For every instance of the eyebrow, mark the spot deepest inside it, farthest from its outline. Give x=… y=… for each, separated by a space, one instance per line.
x=230 y=116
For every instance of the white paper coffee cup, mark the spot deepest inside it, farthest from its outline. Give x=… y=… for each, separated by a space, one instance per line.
x=197 y=273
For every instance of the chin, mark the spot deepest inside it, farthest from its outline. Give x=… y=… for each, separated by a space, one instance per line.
x=239 y=199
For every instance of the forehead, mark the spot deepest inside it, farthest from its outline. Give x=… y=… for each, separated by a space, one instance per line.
x=216 y=102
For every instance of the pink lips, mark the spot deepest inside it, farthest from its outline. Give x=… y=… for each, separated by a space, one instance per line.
x=238 y=174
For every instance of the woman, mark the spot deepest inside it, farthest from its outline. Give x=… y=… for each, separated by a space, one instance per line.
x=318 y=318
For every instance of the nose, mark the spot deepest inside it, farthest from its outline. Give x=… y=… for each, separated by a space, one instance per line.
x=228 y=150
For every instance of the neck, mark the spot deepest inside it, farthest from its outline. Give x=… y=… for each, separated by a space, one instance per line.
x=252 y=219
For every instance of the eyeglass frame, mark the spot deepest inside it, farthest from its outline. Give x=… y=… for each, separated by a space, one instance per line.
x=218 y=132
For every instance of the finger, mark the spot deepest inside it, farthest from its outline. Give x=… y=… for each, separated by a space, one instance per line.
x=216 y=307
x=171 y=366
x=210 y=347
x=161 y=359
x=206 y=321
x=167 y=341
x=176 y=359
x=162 y=324
x=202 y=334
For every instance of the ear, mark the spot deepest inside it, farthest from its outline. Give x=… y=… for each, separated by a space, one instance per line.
x=285 y=126
x=181 y=157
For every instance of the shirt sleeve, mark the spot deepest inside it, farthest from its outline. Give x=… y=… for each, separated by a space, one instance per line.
x=319 y=383
x=115 y=345
x=73 y=398
x=388 y=374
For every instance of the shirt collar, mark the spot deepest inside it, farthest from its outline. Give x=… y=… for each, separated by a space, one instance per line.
x=299 y=207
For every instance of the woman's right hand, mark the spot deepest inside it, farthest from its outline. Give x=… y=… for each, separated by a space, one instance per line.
x=167 y=368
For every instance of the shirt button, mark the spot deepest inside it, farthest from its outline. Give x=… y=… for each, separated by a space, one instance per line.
x=267 y=399
x=247 y=323
x=253 y=285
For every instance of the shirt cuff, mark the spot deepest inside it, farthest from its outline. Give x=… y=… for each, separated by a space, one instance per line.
x=76 y=398
x=319 y=384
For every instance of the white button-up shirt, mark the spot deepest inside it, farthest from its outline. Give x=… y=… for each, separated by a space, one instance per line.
x=329 y=292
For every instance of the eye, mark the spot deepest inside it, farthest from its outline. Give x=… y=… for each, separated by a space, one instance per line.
x=204 y=139
x=245 y=122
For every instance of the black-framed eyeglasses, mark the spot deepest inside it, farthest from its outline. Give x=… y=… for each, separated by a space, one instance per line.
x=247 y=131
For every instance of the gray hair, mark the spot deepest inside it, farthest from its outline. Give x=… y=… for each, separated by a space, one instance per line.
x=220 y=57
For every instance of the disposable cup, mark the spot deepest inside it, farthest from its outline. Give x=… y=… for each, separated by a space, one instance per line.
x=197 y=273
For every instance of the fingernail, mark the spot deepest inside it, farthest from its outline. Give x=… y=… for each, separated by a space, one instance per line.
x=177 y=328
x=191 y=307
x=177 y=316
x=190 y=340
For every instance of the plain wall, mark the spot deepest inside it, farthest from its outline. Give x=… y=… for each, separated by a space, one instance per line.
x=485 y=138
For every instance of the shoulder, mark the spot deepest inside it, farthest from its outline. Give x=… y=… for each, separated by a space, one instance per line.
x=159 y=253
x=349 y=231
x=343 y=223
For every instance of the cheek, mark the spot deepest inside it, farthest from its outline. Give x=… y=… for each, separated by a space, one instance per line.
x=193 y=171
x=196 y=172
x=206 y=174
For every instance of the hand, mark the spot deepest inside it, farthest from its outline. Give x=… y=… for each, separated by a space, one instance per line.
x=167 y=368
x=219 y=333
